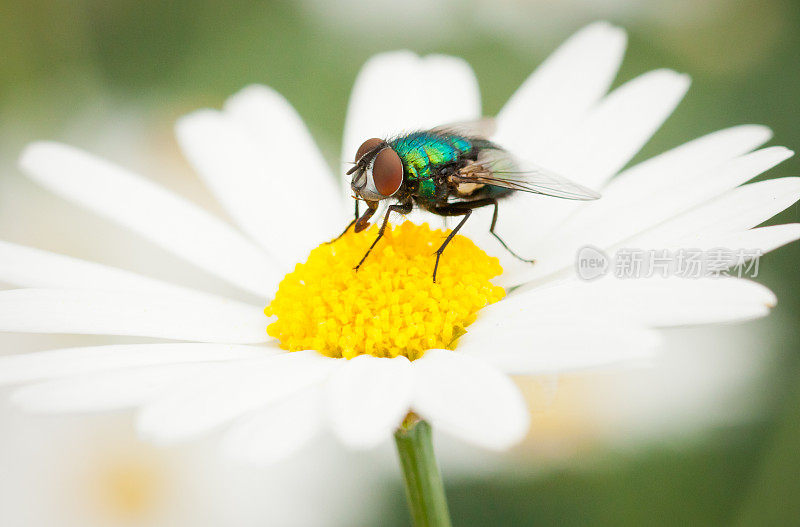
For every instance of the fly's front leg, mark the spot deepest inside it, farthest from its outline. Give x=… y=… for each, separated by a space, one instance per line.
x=355 y=219
x=363 y=222
x=402 y=208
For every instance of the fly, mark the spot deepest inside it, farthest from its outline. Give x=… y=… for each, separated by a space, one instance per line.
x=449 y=171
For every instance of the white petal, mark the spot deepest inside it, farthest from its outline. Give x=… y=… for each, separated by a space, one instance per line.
x=736 y=210
x=561 y=347
x=196 y=409
x=106 y=390
x=605 y=140
x=260 y=161
x=647 y=301
x=684 y=162
x=81 y=361
x=554 y=98
x=558 y=250
x=753 y=242
x=401 y=92
x=166 y=219
x=275 y=432
x=132 y=313
x=368 y=398
x=470 y=399
x=683 y=165
x=647 y=181
x=617 y=128
x=28 y=267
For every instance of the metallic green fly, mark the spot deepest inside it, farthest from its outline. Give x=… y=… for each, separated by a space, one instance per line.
x=449 y=171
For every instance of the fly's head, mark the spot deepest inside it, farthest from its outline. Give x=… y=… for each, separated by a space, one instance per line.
x=377 y=174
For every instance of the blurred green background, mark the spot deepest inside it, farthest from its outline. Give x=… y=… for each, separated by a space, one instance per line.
x=92 y=61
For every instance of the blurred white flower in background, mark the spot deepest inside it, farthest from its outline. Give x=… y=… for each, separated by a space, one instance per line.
x=91 y=471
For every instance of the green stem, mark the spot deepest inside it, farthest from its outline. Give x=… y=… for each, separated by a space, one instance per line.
x=424 y=488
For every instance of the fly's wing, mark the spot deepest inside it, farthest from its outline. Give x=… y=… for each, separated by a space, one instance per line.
x=498 y=168
x=483 y=127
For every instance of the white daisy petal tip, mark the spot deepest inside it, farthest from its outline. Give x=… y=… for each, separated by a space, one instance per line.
x=779 y=153
x=37 y=152
x=603 y=33
x=191 y=123
x=400 y=91
x=755 y=129
x=670 y=83
x=561 y=92
x=598 y=25
x=769 y=298
x=241 y=152
x=254 y=94
x=404 y=59
x=367 y=399
x=258 y=95
x=673 y=84
x=790 y=231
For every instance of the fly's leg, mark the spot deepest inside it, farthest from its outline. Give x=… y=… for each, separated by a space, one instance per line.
x=466 y=213
x=343 y=232
x=499 y=239
x=363 y=222
x=355 y=219
x=465 y=209
x=402 y=208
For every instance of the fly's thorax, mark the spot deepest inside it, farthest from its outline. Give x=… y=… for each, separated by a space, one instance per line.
x=425 y=154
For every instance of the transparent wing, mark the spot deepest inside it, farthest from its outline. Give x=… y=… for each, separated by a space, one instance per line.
x=496 y=167
x=483 y=127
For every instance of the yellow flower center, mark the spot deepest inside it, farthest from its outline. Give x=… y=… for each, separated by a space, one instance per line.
x=391 y=306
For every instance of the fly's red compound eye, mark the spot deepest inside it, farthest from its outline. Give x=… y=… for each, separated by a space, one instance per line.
x=387 y=172
x=366 y=146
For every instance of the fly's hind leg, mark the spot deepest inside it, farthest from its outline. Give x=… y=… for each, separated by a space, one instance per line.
x=465 y=208
x=450 y=211
x=499 y=239
x=462 y=208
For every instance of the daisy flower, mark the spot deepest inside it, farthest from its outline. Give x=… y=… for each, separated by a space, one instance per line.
x=385 y=351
